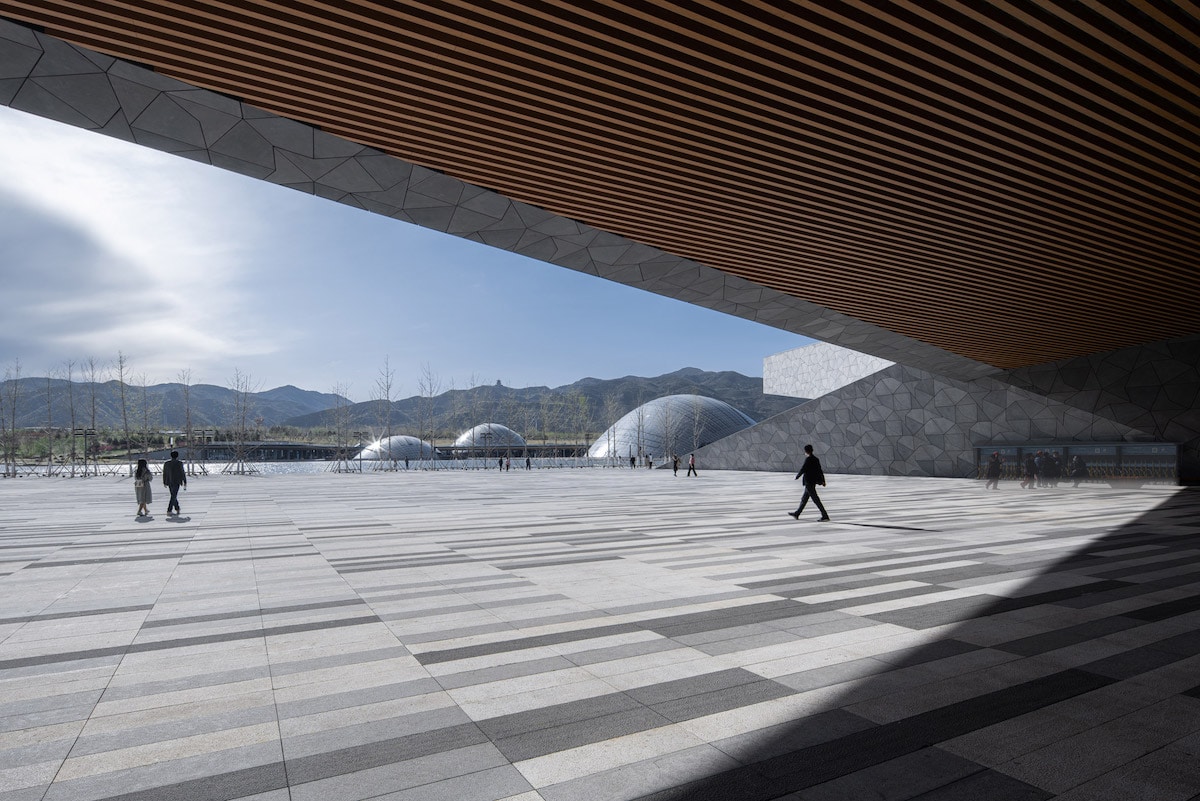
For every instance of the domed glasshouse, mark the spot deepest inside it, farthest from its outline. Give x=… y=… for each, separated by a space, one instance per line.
x=397 y=449
x=669 y=425
x=489 y=436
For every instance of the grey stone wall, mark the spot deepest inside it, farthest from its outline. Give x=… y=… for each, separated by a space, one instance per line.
x=1154 y=388
x=905 y=421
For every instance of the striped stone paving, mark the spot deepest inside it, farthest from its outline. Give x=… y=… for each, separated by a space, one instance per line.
x=597 y=634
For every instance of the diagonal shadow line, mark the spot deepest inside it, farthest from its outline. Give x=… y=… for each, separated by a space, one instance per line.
x=901 y=759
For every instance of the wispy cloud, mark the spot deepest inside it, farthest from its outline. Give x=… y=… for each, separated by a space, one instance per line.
x=112 y=247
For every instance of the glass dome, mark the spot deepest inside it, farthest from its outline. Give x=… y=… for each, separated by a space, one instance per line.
x=490 y=435
x=670 y=425
x=397 y=449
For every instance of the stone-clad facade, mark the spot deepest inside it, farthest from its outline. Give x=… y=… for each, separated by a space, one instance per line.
x=1154 y=388
x=905 y=421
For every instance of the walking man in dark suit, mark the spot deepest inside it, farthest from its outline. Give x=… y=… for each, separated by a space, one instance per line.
x=174 y=476
x=812 y=474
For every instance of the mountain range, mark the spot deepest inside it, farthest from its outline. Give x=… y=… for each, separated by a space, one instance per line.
x=588 y=405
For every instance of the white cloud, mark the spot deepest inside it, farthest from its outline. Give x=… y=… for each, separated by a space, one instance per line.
x=110 y=247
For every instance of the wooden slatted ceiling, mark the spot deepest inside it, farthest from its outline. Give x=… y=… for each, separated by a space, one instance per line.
x=1015 y=182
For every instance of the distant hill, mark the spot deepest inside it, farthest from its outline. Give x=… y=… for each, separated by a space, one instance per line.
x=211 y=406
x=524 y=409
x=531 y=409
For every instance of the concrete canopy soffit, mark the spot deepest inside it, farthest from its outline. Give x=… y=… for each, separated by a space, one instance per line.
x=999 y=186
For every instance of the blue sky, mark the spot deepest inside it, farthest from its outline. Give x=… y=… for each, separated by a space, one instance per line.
x=108 y=247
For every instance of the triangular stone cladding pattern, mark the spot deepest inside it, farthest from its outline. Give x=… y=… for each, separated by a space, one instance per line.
x=51 y=78
x=817 y=369
x=1155 y=388
x=903 y=421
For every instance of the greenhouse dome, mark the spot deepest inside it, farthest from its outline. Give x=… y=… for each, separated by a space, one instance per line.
x=670 y=425
x=490 y=435
x=397 y=449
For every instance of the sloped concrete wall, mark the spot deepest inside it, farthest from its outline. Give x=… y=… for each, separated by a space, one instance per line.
x=904 y=421
x=1154 y=388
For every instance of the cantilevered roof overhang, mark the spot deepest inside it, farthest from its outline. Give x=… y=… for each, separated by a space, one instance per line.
x=1008 y=183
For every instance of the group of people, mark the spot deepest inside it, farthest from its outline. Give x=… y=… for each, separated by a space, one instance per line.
x=173 y=477
x=691 y=471
x=1040 y=469
x=504 y=464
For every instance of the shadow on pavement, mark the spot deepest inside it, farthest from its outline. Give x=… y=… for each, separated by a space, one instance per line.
x=880 y=738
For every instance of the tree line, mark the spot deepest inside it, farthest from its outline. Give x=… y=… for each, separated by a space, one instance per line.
x=96 y=391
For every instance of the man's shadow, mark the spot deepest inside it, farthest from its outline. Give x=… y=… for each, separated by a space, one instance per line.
x=861 y=758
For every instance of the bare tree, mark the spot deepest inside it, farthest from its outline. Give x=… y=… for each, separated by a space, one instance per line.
x=528 y=423
x=546 y=408
x=641 y=429
x=185 y=379
x=508 y=414
x=429 y=385
x=243 y=388
x=95 y=374
x=122 y=383
x=12 y=383
x=580 y=415
x=470 y=406
x=667 y=424
x=69 y=372
x=697 y=421
x=612 y=413
x=50 y=374
x=341 y=428
x=148 y=410
x=384 y=397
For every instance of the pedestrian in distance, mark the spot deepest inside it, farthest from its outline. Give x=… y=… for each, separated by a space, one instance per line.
x=692 y=466
x=1079 y=469
x=528 y=463
x=813 y=476
x=174 y=477
x=994 y=466
x=1028 y=482
x=675 y=465
x=141 y=487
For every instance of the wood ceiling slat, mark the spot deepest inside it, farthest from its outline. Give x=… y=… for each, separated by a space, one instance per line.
x=1003 y=165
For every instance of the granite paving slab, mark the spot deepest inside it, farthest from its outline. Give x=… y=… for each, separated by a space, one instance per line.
x=598 y=634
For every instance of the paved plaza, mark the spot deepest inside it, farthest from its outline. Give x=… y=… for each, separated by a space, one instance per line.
x=597 y=634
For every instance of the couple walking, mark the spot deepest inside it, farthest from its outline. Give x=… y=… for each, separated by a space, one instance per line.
x=173 y=477
x=812 y=475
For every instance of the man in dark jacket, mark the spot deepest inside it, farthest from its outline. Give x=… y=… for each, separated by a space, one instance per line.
x=812 y=474
x=174 y=476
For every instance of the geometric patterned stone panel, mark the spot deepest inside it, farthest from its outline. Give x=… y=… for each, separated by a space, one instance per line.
x=905 y=421
x=51 y=78
x=817 y=369
x=1154 y=388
